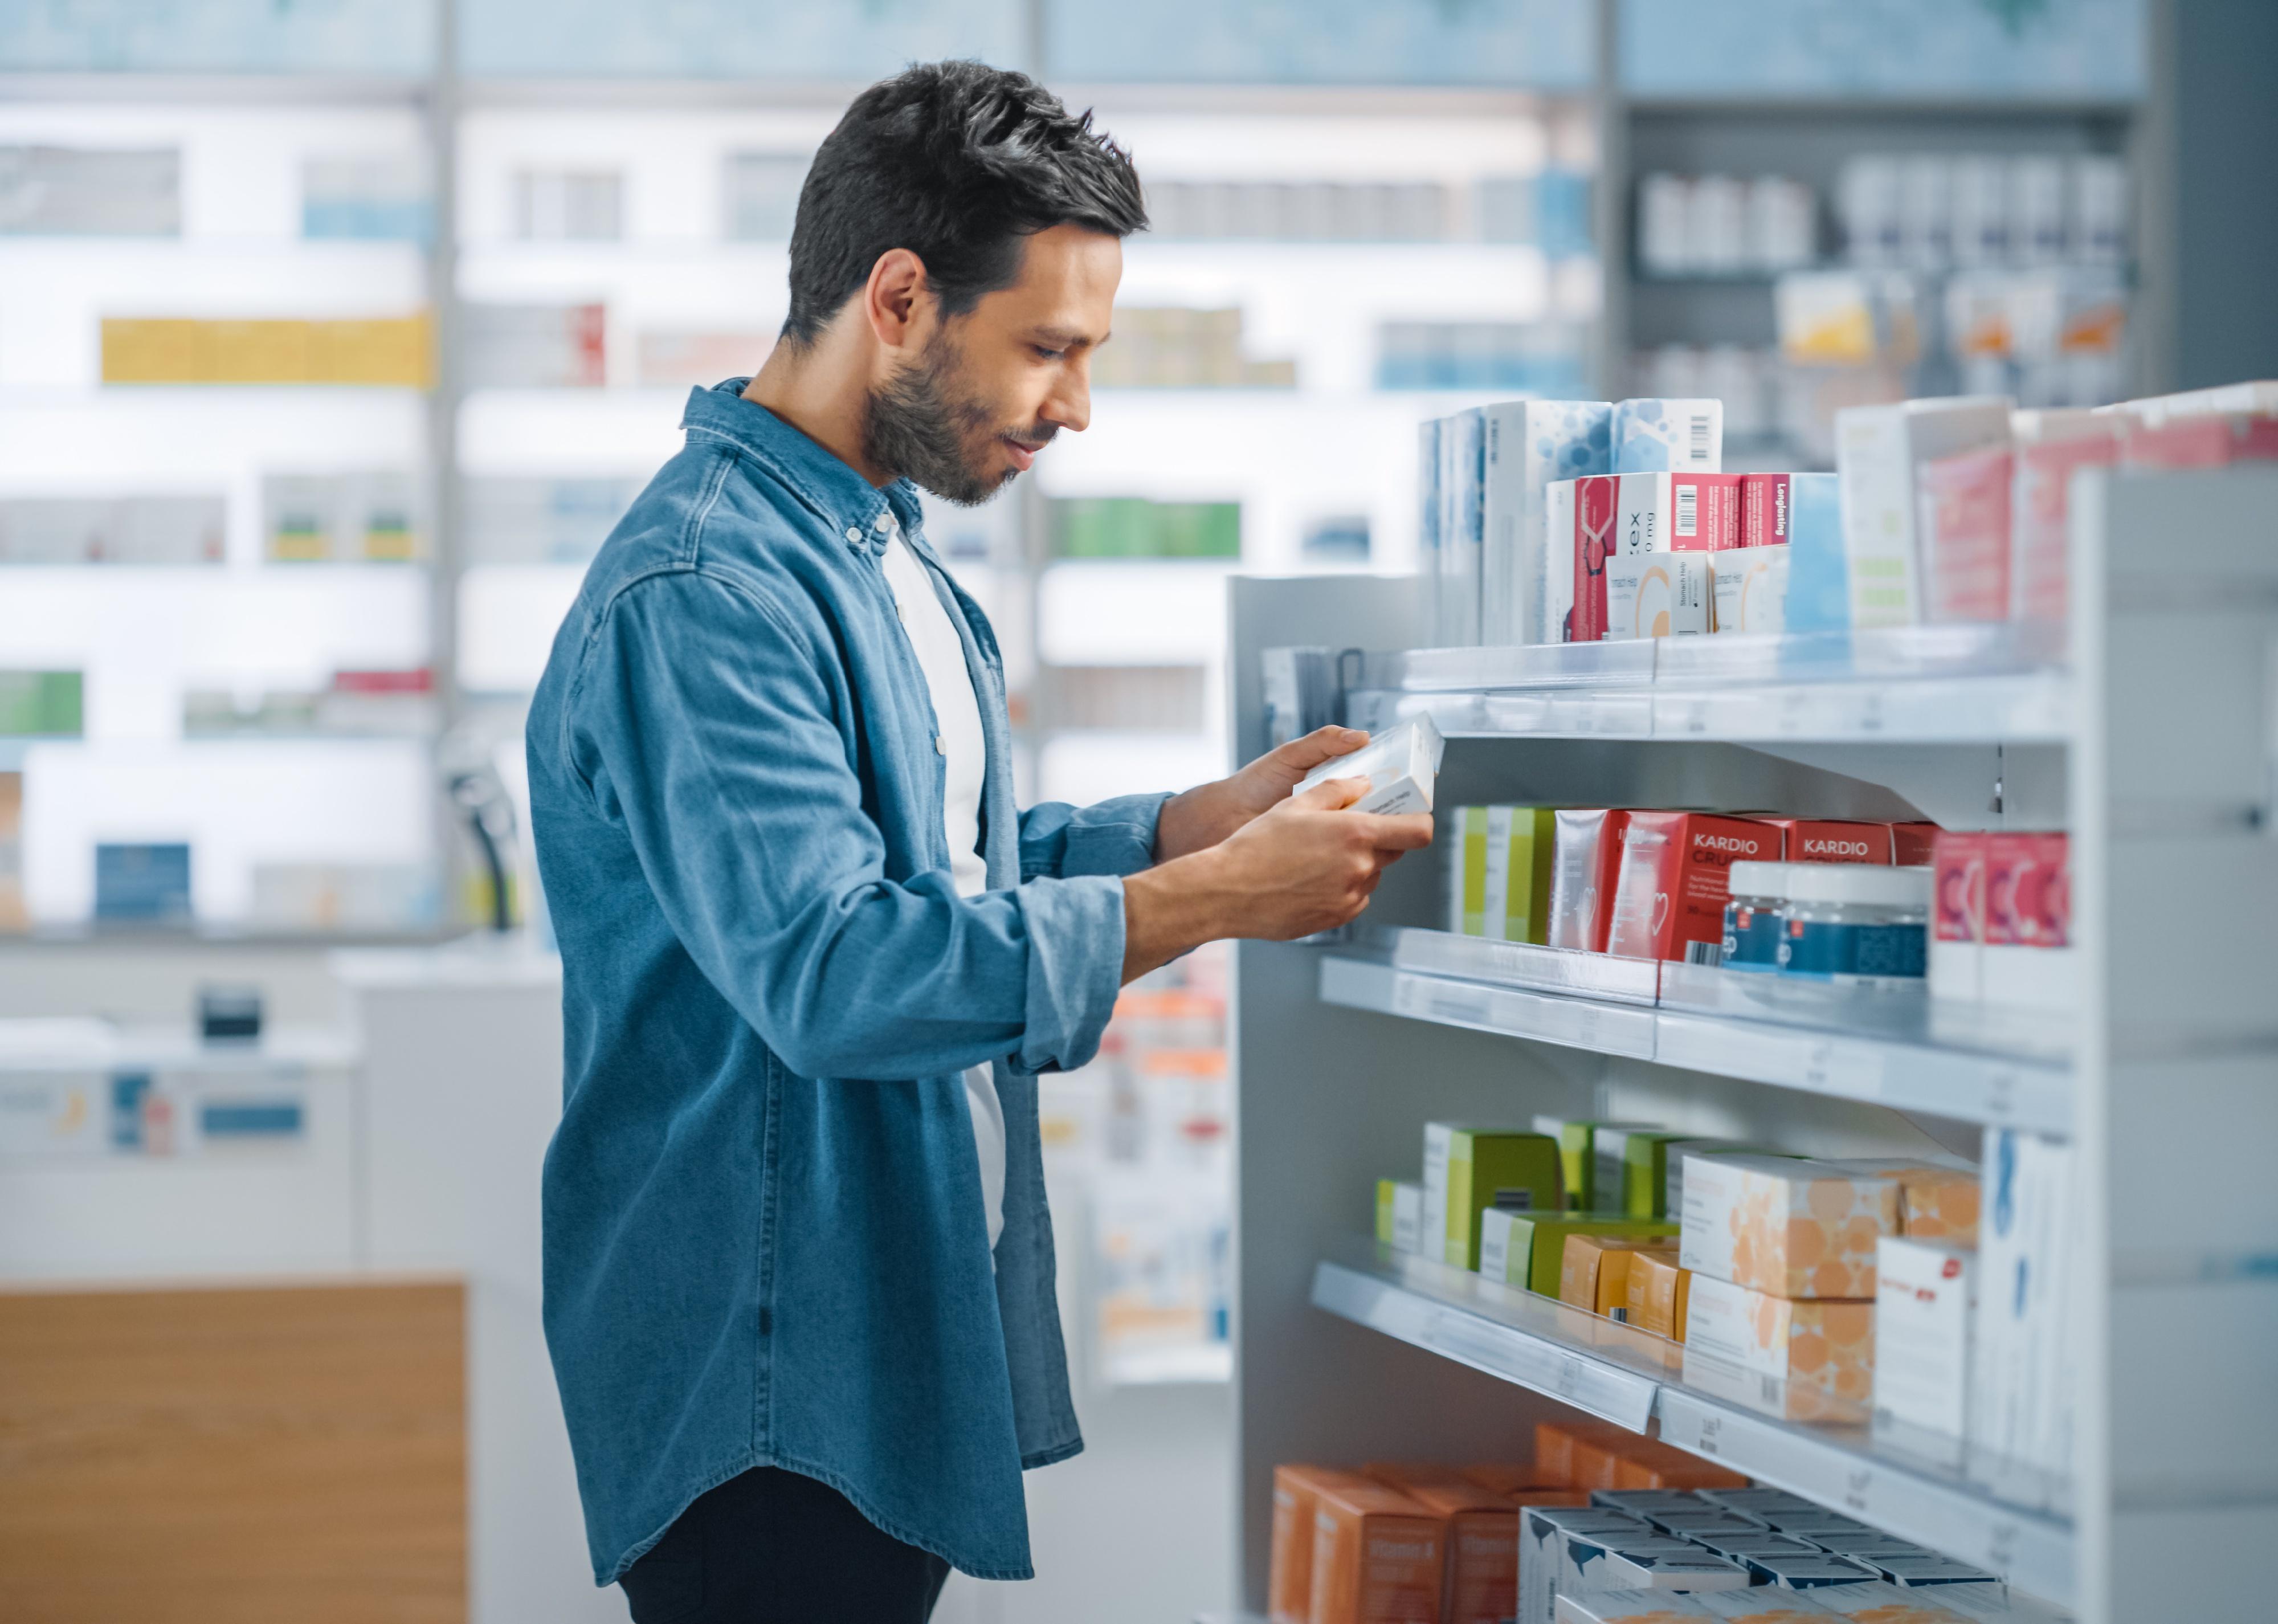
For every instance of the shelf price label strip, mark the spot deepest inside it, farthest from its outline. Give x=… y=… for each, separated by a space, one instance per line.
x=1975 y=1088
x=1606 y=1392
x=1576 y=1022
x=2033 y=1552
x=2010 y=707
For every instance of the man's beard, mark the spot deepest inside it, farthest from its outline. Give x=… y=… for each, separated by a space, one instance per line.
x=922 y=426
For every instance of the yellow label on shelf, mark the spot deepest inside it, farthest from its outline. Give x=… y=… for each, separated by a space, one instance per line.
x=252 y=352
x=391 y=545
x=388 y=351
x=299 y=547
x=150 y=351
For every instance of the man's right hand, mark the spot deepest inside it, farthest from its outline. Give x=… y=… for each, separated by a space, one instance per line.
x=1306 y=865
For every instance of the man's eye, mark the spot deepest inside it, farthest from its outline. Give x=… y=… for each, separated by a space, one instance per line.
x=1048 y=355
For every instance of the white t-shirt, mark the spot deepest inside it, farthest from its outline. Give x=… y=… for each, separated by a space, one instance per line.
x=941 y=656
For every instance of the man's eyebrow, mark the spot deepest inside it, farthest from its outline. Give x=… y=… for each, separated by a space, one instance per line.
x=1067 y=338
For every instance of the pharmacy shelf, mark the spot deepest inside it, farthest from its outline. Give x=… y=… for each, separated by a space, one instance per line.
x=1445 y=1000
x=1989 y=682
x=63 y=1044
x=253 y=88
x=1641 y=1382
x=1887 y=1049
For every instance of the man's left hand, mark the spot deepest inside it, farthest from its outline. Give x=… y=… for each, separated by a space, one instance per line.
x=1203 y=816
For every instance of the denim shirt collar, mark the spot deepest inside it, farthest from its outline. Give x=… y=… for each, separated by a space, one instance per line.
x=856 y=510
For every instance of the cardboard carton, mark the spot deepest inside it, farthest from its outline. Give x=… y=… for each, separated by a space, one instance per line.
x=1290 y=1574
x=1660 y=1290
x=1469 y=1169
x=1586 y=867
x=1379 y=1556
x=1669 y=902
x=1880 y=451
x=1818 y=1342
x=1785 y=1226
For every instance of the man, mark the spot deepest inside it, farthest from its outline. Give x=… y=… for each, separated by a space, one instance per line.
x=798 y=1269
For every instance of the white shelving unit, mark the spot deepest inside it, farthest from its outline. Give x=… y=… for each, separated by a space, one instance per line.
x=2150 y=730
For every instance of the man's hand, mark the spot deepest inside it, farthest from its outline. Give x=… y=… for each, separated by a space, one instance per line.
x=1205 y=816
x=1304 y=865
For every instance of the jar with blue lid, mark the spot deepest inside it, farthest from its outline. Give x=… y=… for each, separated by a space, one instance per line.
x=1754 y=893
x=1855 y=924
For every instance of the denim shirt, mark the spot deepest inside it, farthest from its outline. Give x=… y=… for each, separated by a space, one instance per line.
x=764 y=1236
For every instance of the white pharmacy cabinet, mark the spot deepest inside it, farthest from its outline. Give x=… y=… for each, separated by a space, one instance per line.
x=2147 y=728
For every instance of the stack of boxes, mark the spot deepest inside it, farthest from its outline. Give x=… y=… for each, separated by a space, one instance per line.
x=1770 y=1263
x=1587 y=521
x=1602 y=1525
x=1657 y=884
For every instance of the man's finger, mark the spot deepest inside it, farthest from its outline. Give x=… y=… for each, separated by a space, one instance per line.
x=1405 y=832
x=1330 y=794
x=1323 y=744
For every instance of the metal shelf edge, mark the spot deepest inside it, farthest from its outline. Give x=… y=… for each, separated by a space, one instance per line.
x=2033 y=1552
x=1624 y=1397
x=1958 y=1083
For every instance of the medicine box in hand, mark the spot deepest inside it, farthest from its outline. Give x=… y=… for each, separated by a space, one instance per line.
x=1400 y=767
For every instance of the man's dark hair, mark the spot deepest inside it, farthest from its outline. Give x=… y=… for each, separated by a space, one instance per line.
x=958 y=163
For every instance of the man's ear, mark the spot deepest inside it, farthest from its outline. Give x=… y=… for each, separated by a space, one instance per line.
x=898 y=300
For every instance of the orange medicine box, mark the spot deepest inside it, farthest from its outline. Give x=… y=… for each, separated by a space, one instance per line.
x=1658 y=1287
x=1554 y=1444
x=1786 y=1226
x=1815 y=1342
x=1290 y=1579
x=1516 y=1479
x=1939 y=1204
x=1481 y=1583
x=1593 y=1273
x=1379 y=1556
x=1652 y=1464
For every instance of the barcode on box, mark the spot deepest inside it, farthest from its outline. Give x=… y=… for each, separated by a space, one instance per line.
x=1700 y=437
x=1711 y=954
x=1688 y=509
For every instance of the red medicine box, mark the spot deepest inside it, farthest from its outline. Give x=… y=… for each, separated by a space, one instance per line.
x=1596 y=500
x=1914 y=846
x=1669 y=901
x=1809 y=839
x=1764 y=499
x=2028 y=891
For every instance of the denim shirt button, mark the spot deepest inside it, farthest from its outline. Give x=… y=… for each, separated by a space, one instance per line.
x=853 y=535
x=938 y=748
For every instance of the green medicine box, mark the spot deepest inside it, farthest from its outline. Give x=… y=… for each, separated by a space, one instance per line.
x=1631 y=1169
x=1469 y=1170
x=1577 y=1154
x=1400 y=1215
x=1527 y=1249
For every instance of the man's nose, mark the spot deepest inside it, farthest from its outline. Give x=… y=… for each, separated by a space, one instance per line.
x=1069 y=404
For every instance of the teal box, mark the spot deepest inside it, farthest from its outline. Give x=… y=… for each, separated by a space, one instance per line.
x=1818 y=576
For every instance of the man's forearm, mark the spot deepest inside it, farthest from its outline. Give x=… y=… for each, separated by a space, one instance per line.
x=1169 y=909
x=1193 y=822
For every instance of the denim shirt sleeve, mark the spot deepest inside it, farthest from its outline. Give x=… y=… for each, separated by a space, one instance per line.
x=1059 y=841
x=703 y=725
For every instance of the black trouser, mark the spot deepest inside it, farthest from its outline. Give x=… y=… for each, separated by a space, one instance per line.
x=772 y=1547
